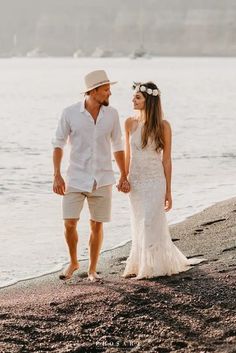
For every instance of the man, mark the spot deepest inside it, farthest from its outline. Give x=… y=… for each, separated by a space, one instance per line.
x=92 y=127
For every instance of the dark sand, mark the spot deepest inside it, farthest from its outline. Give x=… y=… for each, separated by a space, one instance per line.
x=190 y=312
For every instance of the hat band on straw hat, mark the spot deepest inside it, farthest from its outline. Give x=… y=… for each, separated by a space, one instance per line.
x=102 y=82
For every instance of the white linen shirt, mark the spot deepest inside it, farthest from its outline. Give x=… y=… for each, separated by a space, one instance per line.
x=90 y=154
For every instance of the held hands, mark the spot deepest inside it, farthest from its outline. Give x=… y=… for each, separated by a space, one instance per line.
x=59 y=185
x=123 y=185
x=168 y=201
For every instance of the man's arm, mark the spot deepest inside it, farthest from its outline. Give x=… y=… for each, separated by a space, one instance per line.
x=123 y=184
x=59 y=141
x=120 y=160
x=58 y=183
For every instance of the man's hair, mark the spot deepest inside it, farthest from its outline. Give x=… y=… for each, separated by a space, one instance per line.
x=88 y=93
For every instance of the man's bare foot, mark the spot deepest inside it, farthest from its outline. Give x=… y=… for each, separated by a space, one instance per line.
x=68 y=272
x=93 y=277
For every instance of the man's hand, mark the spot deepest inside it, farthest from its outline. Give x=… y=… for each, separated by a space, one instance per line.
x=123 y=185
x=59 y=185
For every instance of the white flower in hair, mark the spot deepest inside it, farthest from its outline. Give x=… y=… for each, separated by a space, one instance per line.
x=142 y=88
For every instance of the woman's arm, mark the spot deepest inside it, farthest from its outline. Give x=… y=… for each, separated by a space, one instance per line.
x=167 y=163
x=128 y=124
x=125 y=186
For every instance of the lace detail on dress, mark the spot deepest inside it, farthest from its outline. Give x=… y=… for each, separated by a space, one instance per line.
x=145 y=164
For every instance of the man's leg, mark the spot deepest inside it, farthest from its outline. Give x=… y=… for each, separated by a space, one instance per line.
x=72 y=205
x=99 y=202
x=95 y=244
x=71 y=236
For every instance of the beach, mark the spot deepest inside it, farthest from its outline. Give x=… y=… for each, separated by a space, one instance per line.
x=189 y=312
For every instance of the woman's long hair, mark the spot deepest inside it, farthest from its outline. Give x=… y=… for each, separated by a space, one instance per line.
x=153 y=127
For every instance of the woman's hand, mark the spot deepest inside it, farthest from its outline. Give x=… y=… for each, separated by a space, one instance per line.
x=168 y=201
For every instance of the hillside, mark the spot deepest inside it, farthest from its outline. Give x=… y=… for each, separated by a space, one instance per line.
x=170 y=27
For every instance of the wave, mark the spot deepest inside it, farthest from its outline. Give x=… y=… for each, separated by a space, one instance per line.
x=196 y=157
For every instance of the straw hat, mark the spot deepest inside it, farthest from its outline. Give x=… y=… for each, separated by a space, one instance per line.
x=96 y=79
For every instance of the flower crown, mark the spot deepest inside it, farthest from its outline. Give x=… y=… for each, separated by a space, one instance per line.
x=139 y=87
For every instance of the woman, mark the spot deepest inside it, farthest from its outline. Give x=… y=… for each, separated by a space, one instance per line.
x=148 y=164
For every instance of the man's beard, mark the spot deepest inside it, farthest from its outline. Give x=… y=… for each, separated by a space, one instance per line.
x=105 y=103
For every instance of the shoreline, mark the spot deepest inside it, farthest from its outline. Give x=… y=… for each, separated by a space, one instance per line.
x=125 y=243
x=191 y=312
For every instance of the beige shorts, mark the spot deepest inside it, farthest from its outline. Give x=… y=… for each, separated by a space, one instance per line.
x=99 y=203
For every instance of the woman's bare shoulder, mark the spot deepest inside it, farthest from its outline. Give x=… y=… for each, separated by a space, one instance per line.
x=129 y=123
x=166 y=125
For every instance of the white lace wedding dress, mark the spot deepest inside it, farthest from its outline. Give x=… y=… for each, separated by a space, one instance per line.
x=152 y=252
